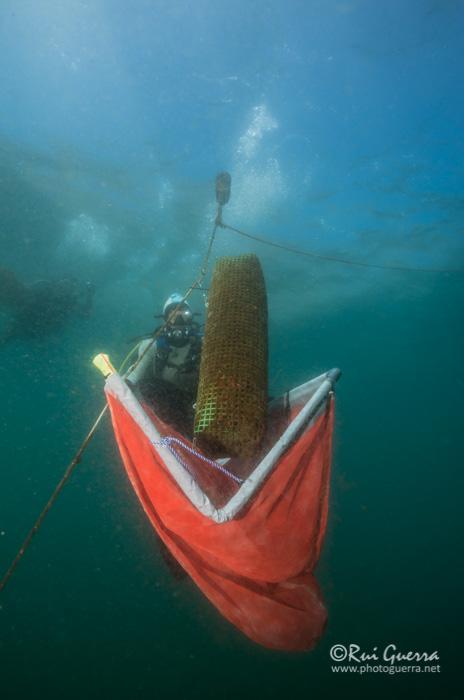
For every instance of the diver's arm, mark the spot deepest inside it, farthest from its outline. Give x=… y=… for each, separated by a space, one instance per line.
x=144 y=369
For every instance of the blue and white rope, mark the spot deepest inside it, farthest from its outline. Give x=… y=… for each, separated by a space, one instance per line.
x=168 y=442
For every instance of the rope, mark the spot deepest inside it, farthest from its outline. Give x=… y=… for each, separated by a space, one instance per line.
x=167 y=442
x=196 y=285
x=58 y=489
x=128 y=356
x=330 y=258
x=78 y=456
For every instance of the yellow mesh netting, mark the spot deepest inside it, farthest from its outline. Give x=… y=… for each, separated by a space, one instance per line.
x=230 y=416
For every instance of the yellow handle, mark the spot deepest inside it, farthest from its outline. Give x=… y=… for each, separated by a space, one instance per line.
x=102 y=362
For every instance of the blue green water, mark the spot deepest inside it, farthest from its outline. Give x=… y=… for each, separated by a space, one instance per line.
x=341 y=124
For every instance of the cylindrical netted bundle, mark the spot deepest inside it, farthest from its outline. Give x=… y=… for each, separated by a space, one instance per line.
x=230 y=416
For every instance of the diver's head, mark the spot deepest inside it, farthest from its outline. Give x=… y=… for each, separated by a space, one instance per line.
x=179 y=320
x=176 y=311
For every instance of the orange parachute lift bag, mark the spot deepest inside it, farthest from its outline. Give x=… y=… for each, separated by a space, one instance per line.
x=248 y=534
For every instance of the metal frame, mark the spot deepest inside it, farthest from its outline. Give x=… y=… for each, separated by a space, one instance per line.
x=316 y=390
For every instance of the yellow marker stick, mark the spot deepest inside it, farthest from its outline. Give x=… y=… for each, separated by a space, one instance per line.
x=102 y=362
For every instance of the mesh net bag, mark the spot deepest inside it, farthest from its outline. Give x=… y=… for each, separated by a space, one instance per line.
x=230 y=415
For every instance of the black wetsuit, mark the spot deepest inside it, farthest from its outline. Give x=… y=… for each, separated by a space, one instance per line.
x=172 y=387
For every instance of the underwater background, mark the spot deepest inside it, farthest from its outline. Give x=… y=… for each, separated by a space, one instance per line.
x=341 y=123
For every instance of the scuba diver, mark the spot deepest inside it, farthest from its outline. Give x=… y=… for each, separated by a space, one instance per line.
x=167 y=375
x=38 y=309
